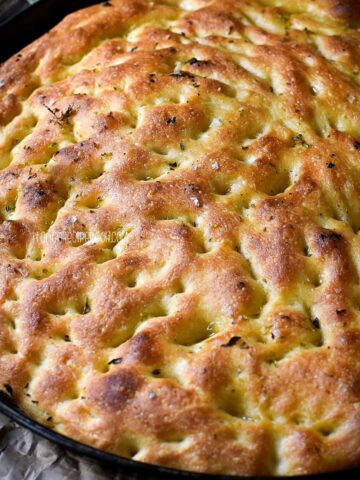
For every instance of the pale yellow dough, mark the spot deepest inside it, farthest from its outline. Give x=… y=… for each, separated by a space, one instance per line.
x=179 y=247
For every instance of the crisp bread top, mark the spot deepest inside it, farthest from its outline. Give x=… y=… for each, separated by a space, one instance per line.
x=179 y=247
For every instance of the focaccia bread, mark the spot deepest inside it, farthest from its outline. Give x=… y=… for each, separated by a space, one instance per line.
x=179 y=232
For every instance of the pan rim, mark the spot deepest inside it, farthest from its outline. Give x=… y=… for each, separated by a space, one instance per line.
x=109 y=460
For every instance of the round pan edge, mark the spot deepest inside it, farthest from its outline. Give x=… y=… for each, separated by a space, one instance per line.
x=33 y=22
x=128 y=466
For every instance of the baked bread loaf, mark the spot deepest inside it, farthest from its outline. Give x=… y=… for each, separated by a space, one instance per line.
x=179 y=248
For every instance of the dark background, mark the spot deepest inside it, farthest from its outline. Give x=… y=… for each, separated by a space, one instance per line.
x=8 y=8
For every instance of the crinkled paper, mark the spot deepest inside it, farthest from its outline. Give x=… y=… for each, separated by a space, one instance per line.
x=26 y=456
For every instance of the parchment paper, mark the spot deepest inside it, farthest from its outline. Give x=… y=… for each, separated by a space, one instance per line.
x=26 y=456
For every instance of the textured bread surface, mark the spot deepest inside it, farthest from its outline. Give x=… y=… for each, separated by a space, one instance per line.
x=179 y=232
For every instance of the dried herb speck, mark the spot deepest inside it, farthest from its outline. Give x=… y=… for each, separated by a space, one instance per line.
x=59 y=117
x=86 y=308
x=299 y=140
x=315 y=323
x=329 y=236
x=115 y=361
x=231 y=342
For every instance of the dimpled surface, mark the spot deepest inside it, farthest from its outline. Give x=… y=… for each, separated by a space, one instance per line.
x=179 y=247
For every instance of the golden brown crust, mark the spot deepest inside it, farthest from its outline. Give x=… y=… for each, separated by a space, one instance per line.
x=179 y=217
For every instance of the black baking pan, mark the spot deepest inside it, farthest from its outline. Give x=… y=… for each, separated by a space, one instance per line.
x=145 y=471
x=17 y=31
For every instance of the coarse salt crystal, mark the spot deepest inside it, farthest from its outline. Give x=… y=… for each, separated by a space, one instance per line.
x=195 y=201
x=215 y=123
